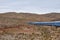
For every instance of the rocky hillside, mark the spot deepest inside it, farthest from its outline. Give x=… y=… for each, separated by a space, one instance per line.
x=13 y=26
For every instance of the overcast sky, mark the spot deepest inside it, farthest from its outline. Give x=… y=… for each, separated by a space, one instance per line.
x=38 y=6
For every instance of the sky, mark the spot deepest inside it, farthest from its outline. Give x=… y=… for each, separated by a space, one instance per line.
x=34 y=6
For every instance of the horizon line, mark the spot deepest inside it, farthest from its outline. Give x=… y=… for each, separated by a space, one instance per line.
x=30 y=12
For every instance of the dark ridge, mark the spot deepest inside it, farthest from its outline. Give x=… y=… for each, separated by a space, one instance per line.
x=52 y=15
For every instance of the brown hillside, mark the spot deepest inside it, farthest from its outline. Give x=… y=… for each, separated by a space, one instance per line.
x=13 y=26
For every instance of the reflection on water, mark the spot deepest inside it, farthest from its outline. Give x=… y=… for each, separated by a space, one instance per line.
x=55 y=23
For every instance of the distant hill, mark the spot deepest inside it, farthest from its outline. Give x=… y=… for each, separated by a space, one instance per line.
x=56 y=16
x=18 y=18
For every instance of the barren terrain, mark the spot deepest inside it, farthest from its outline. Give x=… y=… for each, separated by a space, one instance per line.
x=13 y=26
